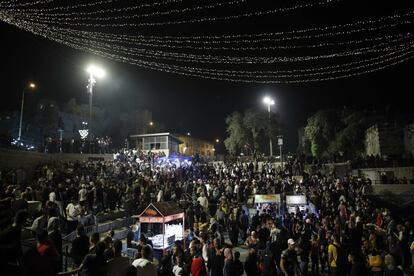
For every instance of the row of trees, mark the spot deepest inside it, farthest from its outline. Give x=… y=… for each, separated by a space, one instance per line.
x=333 y=132
x=249 y=132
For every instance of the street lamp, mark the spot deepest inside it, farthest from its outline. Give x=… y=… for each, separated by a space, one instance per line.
x=94 y=72
x=32 y=86
x=217 y=141
x=269 y=101
x=280 y=144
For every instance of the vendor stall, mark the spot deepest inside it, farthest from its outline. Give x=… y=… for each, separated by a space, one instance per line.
x=163 y=224
x=296 y=202
x=269 y=204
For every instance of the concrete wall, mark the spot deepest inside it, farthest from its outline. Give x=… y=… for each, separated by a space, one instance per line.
x=372 y=145
x=395 y=189
x=27 y=160
x=384 y=140
x=375 y=173
x=409 y=139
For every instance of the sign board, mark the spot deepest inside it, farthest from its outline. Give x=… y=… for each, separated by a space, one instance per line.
x=151 y=219
x=267 y=198
x=150 y=212
x=173 y=217
x=296 y=200
x=280 y=141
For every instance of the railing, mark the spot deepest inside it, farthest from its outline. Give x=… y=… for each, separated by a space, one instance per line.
x=74 y=272
x=89 y=230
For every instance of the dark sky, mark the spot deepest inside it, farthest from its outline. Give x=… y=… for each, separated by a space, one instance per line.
x=197 y=105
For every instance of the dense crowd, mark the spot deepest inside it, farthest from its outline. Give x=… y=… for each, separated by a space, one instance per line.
x=347 y=235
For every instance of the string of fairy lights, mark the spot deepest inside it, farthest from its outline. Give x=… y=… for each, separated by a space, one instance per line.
x=235 y=77
x=183 y=57
x=192 y=70
x=319 y=53
x=58 y=20
x=16 y=4
x=83 y=16
x=264 y=37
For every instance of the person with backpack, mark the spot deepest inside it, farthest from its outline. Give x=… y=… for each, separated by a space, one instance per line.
x=337 y=258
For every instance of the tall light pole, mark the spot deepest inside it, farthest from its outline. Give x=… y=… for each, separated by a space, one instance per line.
x=32 y=86
x=94 y=72
x=280 y=144
x=269 y=102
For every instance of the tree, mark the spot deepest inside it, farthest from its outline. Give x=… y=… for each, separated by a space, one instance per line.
x=250 y=131
x=334 y=132
x=47 y=117
x=74 y=108
x=237 y=133
x=321 y=129
x=255 y=123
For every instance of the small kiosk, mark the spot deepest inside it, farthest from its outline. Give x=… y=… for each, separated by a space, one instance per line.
x=269 y=204
x=163 y=224
x=293 y=202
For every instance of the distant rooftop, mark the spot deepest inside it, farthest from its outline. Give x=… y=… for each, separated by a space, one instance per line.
x=155 y=135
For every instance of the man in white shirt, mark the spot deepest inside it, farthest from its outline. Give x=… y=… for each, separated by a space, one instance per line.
x=203 y=202
x=83 y=194
x=144 y=266
x=73 y=212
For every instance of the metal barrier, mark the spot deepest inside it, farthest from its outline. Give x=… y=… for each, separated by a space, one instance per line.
x=131 y=252
x=89 y=230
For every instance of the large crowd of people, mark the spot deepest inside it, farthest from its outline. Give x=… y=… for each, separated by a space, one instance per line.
x=348 y=234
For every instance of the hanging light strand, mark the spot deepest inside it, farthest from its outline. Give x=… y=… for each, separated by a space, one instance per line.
x=195 y=73
x=187 y=70
x=185 y=57
x=264 y=37
x=60 y=17
x=186 y=21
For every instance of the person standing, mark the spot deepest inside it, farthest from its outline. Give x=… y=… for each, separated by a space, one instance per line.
x=202 y=199
x=244 y=225
x=83 y=195
x=94 y=264
x=314 y=254
x=250 y=265
x=80 y=246
x=334 y=255
x=118 y=265
x=238 y=266
x=215 y=262
x=55 y=237
x=73 y=212
x=234 y=230
x=198 y=267
x=289 y=260
x=144 y=265
x=228 y=269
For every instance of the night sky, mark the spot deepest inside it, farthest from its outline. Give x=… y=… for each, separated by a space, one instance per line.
x=197 y=105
